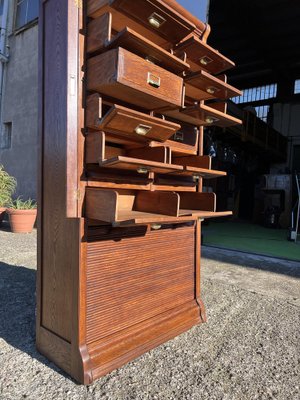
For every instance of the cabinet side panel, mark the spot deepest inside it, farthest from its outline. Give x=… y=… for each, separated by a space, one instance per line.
x=134 y=278
x=59 y=235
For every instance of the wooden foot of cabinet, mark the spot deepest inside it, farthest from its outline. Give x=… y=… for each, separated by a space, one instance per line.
x=88 y=363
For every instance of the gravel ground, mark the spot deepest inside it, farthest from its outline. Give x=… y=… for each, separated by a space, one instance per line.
x=248 y=349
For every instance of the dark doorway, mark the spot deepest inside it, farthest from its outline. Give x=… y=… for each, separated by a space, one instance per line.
x=296 y=159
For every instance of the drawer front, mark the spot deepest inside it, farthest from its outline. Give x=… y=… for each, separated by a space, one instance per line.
x=127 y=122
x=157 y=16
x=128 y=77
x=149 y=78
x=203 y=86
x=187 y=135
x=130 y=277
x=138 y=125
x=202 y=56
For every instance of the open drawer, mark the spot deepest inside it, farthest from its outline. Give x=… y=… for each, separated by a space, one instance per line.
x=203 y=86
x=185 y=141
x=143 y=160
x=101 y=38
x=204 y=115
x=122 y=75
x=159 y=20
x=126 y=122
x=140 y=165
x=123 y=207
x=197 y=167
x=201 y=56
x=204 y=173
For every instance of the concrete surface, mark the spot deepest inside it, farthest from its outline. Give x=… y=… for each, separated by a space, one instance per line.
x=248 y=349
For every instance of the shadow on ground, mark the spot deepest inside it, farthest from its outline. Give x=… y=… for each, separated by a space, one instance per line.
x=17 y=310
x=265 y=263
x=5 y=227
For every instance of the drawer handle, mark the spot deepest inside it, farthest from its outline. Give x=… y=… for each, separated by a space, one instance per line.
x=156 y=20
x=142 y=170
x=155 y=227
x=179 y=137
x=211 y=90
x=211 y=120
x=205 y=60
x=142 y=129
x=153 y=80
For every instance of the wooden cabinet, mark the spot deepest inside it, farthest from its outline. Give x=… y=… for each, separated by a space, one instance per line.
x=124 y=89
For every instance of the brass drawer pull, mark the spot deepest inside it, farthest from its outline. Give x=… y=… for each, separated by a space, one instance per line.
x=205 y=60
x=179 y=137
x=211 y=90
x=155 y=227
x=156 y=20
x=211 y=120
x=142 y=129
x=153 y=80
x=143 y=170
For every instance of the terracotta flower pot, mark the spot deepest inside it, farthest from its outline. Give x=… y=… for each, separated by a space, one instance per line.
x=21 y=221
x=2 y=214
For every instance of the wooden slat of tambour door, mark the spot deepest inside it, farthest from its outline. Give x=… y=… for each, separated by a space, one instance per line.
x=118 y=320
x=114 y=319
x=138 y=293
x=147 y=283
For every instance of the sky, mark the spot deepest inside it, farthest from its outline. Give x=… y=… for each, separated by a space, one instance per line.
x=196 y=7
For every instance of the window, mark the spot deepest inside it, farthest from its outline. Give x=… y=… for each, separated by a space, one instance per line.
x=5 y=136
x=297 y=87
x=27 y=11
x=262 y=112
x=256 y=94
x=1 y=12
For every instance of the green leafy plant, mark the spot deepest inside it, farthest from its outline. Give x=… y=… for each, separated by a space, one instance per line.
x=20 y=204
x=7 y=187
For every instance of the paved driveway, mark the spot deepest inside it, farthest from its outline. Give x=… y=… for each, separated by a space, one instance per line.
x=248 y=349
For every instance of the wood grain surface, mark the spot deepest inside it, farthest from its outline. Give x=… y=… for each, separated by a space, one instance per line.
x=120 y=212
x=175 y=27
x=120 y=298
x=125 y=76
x=198 y=84
x=123 y=121
x=196 y=50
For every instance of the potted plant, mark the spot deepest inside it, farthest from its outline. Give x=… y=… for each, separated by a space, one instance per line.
x=7 y=187
x=22 y=215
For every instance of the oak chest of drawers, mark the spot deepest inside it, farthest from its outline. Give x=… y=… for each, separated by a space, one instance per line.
x=123 y=87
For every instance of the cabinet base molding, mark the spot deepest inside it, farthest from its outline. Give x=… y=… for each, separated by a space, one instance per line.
x=89 y=362
x=74 y=360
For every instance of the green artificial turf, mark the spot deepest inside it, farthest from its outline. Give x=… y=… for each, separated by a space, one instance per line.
x=251 y=238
